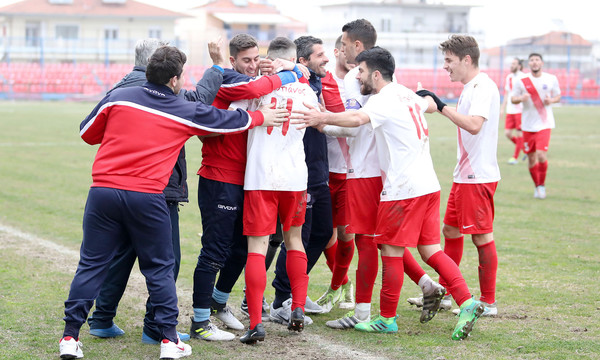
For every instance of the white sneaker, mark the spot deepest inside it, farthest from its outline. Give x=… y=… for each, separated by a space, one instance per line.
x=209 y=332
x=70 y=348
x=541 y=192
x=536 y=195
x=170 y=350
x=328 y=300
x=490 y=309
x=310 y=307
x=227 y=317
x=347 y=298
x=282 y=315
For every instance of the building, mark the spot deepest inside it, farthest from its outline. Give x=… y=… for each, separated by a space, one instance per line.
x=227 y=18
x=410 y=29
x=102 y=31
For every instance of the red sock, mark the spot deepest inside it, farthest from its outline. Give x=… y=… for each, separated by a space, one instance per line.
x=513 y=139
x=488 y=266
x=392 y=279
x=256 y=282
x=518 y=146
x=534 y=171
x=295 y=265
x=448 y=270
x=412 y=268
x=330 y=255
x=453 y=247
x=542 y=170
x=368 y=265
x=343 y=258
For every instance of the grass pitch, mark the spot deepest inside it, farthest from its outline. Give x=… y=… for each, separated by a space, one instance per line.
x=549 y=262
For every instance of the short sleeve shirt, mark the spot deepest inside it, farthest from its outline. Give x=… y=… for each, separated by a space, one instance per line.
x=402 y=135
x=509 y=85
x=532 y=119
x=477 y=162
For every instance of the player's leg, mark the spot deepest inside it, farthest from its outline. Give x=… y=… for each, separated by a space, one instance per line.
x=102 y=236
x=221 y=206
x=488 y=267
x=149 y=226
x=543 y=142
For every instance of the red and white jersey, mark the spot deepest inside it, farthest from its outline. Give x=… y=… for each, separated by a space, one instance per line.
x=337 y=147
x=402 y=134
x=362 y=149
x=509 y=85
x=477 y=161
x=276 y=158
x=537 y=116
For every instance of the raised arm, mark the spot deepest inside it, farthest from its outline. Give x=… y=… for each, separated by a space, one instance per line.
x=313 y=117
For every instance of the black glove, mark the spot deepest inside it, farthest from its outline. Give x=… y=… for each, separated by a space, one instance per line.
x=440 y=104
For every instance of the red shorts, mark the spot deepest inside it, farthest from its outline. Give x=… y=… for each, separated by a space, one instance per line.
x=409 y=222
x=261 y=208
x=513 y=121
x=337 y=189
x=533 y=141
x=471 y=208
x=362 y=203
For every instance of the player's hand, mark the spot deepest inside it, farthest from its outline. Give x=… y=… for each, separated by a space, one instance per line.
x=525 y=97
x=547 y=100
x=266 y=67
x=214 y=50
x=303 y=69
x=307 y=118
x=273 y=116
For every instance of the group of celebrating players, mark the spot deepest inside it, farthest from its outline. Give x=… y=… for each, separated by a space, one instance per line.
x=330 y=160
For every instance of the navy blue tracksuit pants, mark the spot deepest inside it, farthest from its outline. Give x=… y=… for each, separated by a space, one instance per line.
x=111 y=219
x=316 y=233
x=221 y=207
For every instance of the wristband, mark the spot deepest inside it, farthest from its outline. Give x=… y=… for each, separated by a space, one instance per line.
x=219 y=68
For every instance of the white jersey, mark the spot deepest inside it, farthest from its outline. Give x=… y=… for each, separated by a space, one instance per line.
x=477 y=161
x=276 y=158
x=397 y=116
x=509 y=85
x=363 y=152
x=540 y=117
x=337 y=147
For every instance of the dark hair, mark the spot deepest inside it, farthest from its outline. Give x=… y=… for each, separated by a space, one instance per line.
x=520 y=63
x=281 y=48
x=535 y=54
x=241 y=42
x=166 y=62
x=461 y=46
x=304 y=46
x=361 y=30
x=378 y=59
x=338 y=42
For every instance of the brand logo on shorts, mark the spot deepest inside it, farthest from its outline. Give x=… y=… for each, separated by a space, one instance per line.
x=227 y=207
x=466 y=227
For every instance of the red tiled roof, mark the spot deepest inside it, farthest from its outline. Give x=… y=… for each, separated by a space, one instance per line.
x=91 y=8
x=553 y=38
x=228 y=6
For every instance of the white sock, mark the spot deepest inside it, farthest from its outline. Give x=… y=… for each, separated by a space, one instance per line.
x=362 y=310
x=426 y=284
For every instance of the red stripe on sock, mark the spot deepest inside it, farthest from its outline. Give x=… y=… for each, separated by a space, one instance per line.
x=295 y=266
x=256 y=282
x=412 y=268
x=488 y=267
x=448 y=270
x=368 y=265
x=343 y=258
x=392 y=279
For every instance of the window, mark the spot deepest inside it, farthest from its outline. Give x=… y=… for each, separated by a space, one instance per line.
x=67 y=32
x=253 y=29
x=32 y=33
x=111 y=33
x=155 y=32
x=386 y=24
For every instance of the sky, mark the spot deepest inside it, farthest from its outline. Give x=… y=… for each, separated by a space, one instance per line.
x=500 y=20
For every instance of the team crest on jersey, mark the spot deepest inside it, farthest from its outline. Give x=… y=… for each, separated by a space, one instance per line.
x=545 y=87
x=352 y=104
